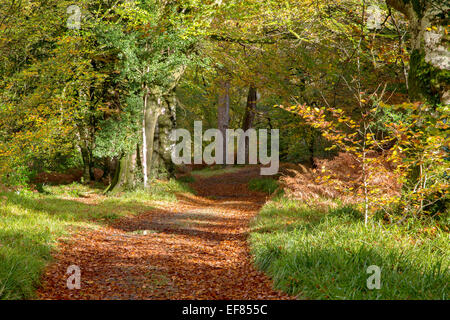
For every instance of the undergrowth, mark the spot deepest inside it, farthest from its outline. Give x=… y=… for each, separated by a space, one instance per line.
x=267 y=185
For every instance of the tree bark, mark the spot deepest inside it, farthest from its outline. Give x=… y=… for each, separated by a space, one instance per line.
x=159 y=119
x=86 y=147
x=250 y=109
x=161 y=166
x=144 y=139
x=125 y=174
x=249 y=116
x=151 y=120
x=223 y=112
x=429 y=74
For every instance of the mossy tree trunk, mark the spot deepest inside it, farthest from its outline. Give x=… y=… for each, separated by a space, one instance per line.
x=153 y=154
x=125 y=176
x=429 y=74
x=161 y=120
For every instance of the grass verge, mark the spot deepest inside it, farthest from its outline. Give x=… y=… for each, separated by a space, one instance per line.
x=317 y=253
x=31 y=223
x=267 y=185
x=215 y=170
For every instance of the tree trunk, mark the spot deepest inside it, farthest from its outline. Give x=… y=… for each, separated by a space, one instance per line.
x=311 y=151
x=223 y=113
x=86 y=147
x=159 y=119
x=125 y=174
x=249 y=116
x=144 y=139
x=250 y=109
x=429 y=74
x=109 y=168
x=162 y=166
x=152 y=112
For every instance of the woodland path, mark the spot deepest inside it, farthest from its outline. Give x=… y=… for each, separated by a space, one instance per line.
x=193 y=249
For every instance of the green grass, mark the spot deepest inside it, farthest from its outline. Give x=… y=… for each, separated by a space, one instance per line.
x=30 y=224
x=324 y=254
x=74 y=189
x=186 y=179
x=161 y=191
x=215 y=170
x=267 y=185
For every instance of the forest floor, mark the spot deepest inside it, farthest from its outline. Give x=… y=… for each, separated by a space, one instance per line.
x=194 y=248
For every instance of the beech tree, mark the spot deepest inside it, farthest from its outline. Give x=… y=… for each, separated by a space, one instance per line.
x=107 y=95
x=153 y=56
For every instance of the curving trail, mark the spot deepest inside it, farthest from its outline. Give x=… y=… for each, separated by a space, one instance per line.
x=193 y=249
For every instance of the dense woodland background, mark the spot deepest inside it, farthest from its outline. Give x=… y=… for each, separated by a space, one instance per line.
x=359 y=91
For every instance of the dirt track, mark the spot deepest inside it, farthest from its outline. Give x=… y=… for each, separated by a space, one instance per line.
x=194 y=249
